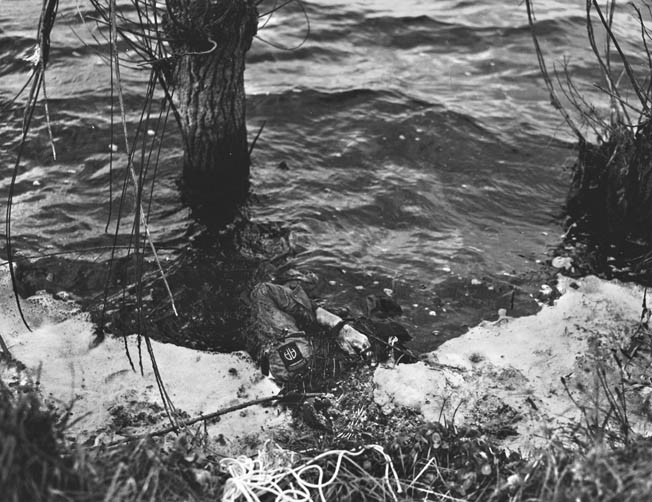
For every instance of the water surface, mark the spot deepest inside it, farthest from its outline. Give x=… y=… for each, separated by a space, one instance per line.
x=419 y=141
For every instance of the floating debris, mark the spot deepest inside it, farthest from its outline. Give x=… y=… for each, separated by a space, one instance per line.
x=565 y=262
x=62 y=295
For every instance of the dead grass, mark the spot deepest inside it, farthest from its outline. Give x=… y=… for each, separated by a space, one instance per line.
x=37 y=463
x=601 y=459
x=432 y=461
x=31 y=460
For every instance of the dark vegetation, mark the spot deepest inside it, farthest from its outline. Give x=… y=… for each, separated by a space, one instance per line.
x=435 y=461
x=609 y=202
x=38 y=462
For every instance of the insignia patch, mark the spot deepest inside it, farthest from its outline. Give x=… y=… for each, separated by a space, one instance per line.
x=292 y=357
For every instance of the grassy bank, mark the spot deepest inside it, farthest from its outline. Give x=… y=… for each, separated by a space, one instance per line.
x=38 y=462
x=418 y=461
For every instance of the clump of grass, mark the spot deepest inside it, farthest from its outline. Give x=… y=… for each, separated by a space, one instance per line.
x=609 y=202
x=176 y=469
x=32 y=462
x=38 y=463
x=436 y=460
x=599 y=474
x=432 y=461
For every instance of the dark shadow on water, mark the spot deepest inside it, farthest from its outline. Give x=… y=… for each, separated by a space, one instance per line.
x=216 y=202
x=210 y=279
x=212 y=276
x=435 y=313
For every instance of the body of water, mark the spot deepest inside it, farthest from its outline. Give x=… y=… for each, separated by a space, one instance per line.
x=418 y=136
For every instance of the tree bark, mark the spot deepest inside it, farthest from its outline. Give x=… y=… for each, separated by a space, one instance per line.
x=209 y=40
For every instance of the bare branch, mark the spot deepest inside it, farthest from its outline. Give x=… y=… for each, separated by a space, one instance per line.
x=546 y=76
x=628 y=68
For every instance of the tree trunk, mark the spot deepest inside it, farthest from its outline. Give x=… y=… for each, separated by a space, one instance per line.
x=209 y=39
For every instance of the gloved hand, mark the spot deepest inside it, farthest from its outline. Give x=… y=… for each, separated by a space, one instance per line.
x=349 y=339
x=352 y=341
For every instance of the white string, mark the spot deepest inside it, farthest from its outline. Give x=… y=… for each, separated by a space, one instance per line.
x=263 y=475
x=425 y=468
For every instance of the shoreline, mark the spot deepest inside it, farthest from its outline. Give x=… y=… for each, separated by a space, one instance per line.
x=500 y=380
x=527 y=375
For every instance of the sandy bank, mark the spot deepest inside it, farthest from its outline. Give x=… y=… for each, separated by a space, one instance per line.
x=108 y=395
x=509 y=377
x=504 y=377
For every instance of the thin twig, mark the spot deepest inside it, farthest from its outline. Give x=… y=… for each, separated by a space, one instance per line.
x=5 y=349
x=216 y=414
x=628 y=68
x=605 y=66
x=546 y=76
x=306 y=36
x=253 y=143
x=45 y=26
x=47 y=121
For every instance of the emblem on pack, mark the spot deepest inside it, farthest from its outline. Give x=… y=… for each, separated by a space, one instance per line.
x=292 y=357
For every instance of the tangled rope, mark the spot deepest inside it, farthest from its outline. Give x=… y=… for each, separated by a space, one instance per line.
x=272 y=472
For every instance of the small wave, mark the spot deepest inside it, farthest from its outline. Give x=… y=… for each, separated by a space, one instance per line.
x=263 y=53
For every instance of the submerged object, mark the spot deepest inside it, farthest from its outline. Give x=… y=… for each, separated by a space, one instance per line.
x=382 y=307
